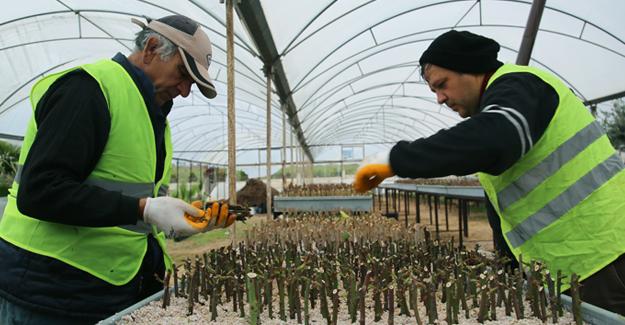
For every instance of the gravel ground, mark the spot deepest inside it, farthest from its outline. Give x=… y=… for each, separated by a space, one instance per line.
x=176 y=314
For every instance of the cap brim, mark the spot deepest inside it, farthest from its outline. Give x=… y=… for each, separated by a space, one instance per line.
x=199 y=74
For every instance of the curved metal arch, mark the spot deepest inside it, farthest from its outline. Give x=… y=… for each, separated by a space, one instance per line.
x=287 y=50
x=297 y=85
x=354 y=132
x=200 y=126
x=25 y=84
x=275 y=112
x=335 y=89
x=396 y=109
x=247 y=123
x=259 y=80
x=256 y=133
x=242 y=43
x=508 y=48
x=421 y=40
x=313 y=136
x=361 y=111
x=373 y=136
x=340 y=100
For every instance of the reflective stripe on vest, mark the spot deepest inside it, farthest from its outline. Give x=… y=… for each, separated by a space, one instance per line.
x=565 y=201
x=549 y=165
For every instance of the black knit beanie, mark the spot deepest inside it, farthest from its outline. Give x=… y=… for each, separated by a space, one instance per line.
x=462 y=52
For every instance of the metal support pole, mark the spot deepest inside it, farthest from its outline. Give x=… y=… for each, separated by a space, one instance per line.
x=418 y=207
x=436 y=203
x=406 y=204
x=283 y=152
x=460 y=222
x=291 y=157
x=341 y=164
x=531 y=29
x=466 y=210
x=386 y=199
x=232 y=144
x=430 y=207
x=446 y=214
x=268 y=72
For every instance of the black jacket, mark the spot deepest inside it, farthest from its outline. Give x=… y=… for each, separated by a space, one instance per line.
x=73 y=125
x=485 y=142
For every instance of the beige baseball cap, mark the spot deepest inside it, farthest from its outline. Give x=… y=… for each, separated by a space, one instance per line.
x=194 y=46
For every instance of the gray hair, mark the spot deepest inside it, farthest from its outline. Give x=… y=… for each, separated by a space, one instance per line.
x=166 y=49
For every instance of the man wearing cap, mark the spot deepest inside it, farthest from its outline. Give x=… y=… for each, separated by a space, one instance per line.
x=548 y=169
x=82 y=235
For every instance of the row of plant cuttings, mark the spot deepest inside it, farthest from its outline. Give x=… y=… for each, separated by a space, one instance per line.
x=447 y=181
x=391 y=274
x=320 y=190
x=325 y=226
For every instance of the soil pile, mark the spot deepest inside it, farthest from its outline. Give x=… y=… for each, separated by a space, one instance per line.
x=254 y=193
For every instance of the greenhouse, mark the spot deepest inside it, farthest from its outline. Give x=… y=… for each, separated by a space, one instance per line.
x=296 y=162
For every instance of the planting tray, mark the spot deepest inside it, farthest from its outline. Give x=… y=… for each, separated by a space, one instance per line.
x=592 y=314
x=322 y=203
x=118 y=316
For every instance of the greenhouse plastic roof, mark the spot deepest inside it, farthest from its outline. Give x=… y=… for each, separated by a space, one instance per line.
x=349 y=68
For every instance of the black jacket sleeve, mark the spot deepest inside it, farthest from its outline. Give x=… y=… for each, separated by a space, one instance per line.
x=73 y=124
x=488 y=142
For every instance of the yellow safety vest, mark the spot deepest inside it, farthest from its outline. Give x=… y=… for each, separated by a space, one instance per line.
x=127 y=165
x=561 y=203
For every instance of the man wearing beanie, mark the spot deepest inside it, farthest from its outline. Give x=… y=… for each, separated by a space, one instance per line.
x=552 y=178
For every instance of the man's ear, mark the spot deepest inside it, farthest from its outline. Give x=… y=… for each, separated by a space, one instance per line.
x=149 y=51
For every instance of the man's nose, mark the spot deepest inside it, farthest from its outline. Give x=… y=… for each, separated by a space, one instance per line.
x=184 y=88
x=440 y=97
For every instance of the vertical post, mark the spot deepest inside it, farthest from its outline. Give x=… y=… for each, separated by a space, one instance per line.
x=406 y=204
x=341 y=165
x=283 y=147
x=268 y=73
x=531 y=29
x=417 y=206
x=259 y=163
x=291 y=156
x=386 y=199
x=232 y=172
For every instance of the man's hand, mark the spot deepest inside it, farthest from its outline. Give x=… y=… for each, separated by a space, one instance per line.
x=372 y=171
x=218 y=216
x=370 y=176
x=168 y=215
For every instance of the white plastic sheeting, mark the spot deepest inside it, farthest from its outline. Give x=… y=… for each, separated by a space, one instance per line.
x=352 y=65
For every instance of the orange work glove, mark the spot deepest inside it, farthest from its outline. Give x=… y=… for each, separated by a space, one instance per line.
x=200 y=222
x=370 y=176
x=218 y=216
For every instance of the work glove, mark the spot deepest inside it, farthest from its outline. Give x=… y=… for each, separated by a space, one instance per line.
x=218 y=216
x=372 y=171
x=170 y=215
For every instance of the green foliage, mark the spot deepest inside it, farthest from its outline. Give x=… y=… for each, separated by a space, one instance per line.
x=190 y=174
x=188 y=191
x=9 y=156
x=614 y=124
x=332 y=170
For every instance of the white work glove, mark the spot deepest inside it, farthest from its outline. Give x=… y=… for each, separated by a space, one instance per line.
x=168 y=215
